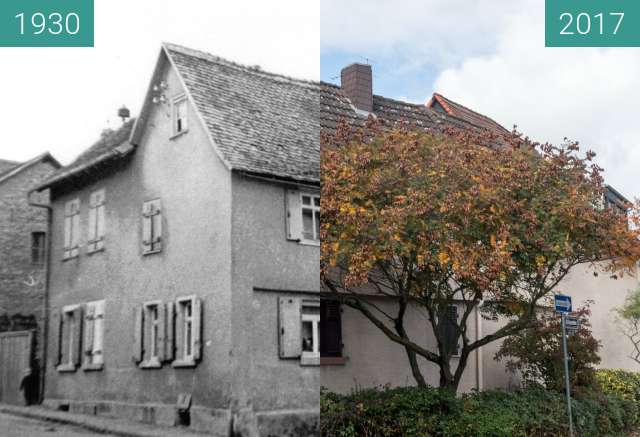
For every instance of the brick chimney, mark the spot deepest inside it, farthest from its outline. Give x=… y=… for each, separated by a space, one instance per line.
x=356 y=83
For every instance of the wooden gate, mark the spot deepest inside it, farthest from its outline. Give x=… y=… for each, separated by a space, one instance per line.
x=16 y=353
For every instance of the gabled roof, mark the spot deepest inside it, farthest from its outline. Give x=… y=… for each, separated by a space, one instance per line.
x=112 y=146
x=260 y=123
x=17 y=168
x=462 y=112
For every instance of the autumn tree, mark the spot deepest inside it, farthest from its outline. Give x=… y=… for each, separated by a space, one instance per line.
x=428 y=219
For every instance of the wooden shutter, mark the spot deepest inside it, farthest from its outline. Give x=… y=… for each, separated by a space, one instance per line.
x=56 y=336
x=75 y=227
x=330 y=329
x=89 y=326
x=290 y=326
x=146 y=227
x=162 y=330
x=169 y=345
x=156 y=216
x=67 y=234
x=138 y=326
x=197 y=328
x=98 y=329
x=100 y=227
x=293 y=215
x=76 y=343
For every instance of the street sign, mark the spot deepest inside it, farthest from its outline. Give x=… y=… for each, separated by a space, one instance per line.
x=572 y=323
x=563 y=303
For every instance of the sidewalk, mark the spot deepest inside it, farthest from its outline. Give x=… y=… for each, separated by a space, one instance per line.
x=97 y=424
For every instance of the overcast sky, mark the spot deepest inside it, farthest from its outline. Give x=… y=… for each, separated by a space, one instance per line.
x=60 y=99
x=490 y=56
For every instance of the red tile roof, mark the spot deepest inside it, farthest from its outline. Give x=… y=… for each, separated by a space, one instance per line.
x=462 y=112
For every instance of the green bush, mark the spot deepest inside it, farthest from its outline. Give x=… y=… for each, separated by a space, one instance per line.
x=619 y=382
x=433 y=412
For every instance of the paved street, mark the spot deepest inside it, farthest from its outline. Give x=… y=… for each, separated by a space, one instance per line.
x=15 y=426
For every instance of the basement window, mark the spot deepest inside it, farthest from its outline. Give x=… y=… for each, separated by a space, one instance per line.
x=179 y=111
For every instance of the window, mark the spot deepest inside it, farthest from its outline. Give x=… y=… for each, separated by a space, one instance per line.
x=299 y=323
x=93 y=336
x=38 y=242
x=151 y=227
x=153 y=335
x=188 y=331
x=71 y=228
x=95 y=241
x=180 y=122
x=330 y=332
x=303 y=217
x=67 y=324
x=448 y=324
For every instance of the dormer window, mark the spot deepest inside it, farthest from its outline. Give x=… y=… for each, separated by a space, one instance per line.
x=180 y=122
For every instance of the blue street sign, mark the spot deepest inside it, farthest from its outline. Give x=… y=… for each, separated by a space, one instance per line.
x=563 y=303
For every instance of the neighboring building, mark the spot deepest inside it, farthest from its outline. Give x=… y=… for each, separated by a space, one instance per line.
x=355 y=353
x=185 y=256
x=23 y=242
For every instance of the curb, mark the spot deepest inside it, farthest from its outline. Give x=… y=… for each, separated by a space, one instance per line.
x=97 y=425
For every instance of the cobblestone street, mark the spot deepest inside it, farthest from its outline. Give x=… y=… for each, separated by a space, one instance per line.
x=14 y=426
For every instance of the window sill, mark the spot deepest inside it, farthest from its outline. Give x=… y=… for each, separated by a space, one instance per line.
x=333 y=361
x=92 y=367
x=310 y=360
x=65 y=368
x=70 y=257
x=150 y=364
x=309 y=242
x=151 y=252
x=179 y=134
x=92 y=251
x=183 y=363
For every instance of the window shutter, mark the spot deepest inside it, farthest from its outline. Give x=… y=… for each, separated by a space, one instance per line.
x=92 y=235
x=56 y=337
x=98 y=336
x=162 y=329
x=294 y=215
x=88 y=331
x=197 y=328
x=67 y=233
x=330 y=329
x=75 y=232
x=156 y=212
x=100 y=227
x=290 y=325
x=170 y=329
x=76 y=345
x=138 y=325
x=146 y=227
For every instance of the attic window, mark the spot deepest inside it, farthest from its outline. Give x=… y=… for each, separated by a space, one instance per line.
x=179 y=122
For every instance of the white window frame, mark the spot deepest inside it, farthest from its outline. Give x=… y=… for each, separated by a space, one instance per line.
x=311 y=358
x=184 y=359
x=68 y=319
x=151 y=360
x=71 y=232
x=314 y=210
x=95 y=361
x=176 y=103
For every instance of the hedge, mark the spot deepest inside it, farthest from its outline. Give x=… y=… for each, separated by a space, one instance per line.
x=619 y=382
x=412 y=411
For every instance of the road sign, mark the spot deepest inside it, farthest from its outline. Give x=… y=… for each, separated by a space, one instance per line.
x=572 y=322
x=563 y=303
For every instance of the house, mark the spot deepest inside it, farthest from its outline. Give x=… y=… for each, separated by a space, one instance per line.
x=355 y=353
x=23 y=243
x=184 y=260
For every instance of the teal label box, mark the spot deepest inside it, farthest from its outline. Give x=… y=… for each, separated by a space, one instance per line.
x=46 y=23
x=592 y=23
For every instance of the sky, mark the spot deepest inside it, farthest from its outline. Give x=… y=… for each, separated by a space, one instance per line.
x=60 y=99
x=490 y=56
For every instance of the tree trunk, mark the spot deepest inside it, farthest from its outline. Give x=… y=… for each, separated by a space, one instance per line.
x=415 y=368
x=447 y=379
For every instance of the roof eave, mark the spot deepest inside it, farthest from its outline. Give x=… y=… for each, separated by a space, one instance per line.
x=20 y=168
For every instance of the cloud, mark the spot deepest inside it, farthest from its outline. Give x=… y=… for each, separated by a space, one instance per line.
x=586 y=94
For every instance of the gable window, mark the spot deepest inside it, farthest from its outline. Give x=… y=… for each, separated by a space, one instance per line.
x=38 y=241
x=151 y=227
x=71 y=229
x=330 y=332
x=67 y=325
x=179 y=111
x=448 y=324
x=299 y=326
x=95 y=240
x=93 y=336
x=303 y=217
x=188 y=342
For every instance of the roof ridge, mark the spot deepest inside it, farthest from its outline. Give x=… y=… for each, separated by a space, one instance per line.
x=247 y=68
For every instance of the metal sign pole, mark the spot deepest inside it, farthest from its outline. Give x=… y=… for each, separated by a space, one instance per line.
x=566 y=372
